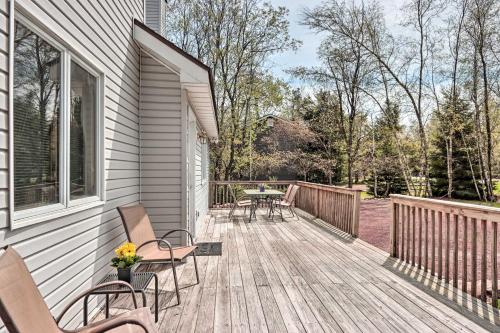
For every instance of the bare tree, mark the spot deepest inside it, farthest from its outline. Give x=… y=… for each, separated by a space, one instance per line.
x=336 y=19
x=481 y=27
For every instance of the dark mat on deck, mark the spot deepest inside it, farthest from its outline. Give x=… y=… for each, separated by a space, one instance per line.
x=209 y=249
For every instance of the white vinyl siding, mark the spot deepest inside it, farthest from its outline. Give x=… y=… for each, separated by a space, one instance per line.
x=161 y=156
x=68 y=255
x=201 y=185
x=155 y=15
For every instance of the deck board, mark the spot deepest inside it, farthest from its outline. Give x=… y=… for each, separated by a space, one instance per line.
x=296 y=276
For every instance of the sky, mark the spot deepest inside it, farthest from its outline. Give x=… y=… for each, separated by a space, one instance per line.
x=306 y=54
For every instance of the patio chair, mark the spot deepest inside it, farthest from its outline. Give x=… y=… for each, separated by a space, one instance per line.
x=152 y=249
x=23 y=309
x=288 y=201
x=238 y=203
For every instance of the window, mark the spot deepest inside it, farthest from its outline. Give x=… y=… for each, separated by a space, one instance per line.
x=37 y=105
x=55 y=107
x=82 y=133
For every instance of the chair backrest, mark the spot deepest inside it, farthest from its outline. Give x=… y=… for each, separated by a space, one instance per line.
x=288 y=190
x=22 y=307
x=137 y=225
x=293 y=193
x=231 y=192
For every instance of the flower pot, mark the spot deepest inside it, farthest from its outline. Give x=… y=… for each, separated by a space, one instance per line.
x=125 y=274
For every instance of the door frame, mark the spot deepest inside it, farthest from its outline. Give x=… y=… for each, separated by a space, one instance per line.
x=192 y=136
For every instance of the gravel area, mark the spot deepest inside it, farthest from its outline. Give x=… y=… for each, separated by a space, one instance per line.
x=375 y=222
x=375 y=225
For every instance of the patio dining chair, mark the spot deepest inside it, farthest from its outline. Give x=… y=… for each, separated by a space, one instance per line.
x=152 y=249
x=23 y=310
x=288 y=201
x=238 y=203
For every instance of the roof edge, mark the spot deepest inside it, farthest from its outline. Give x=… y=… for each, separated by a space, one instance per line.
x=188 y=56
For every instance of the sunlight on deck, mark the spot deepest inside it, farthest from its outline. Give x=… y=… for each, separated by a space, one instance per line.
x=292 y=275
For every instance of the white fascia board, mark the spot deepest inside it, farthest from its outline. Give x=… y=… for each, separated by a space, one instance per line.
x=193 y=77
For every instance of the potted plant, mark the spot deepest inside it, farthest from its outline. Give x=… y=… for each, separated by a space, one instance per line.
x=262 y=188
x=124 y=261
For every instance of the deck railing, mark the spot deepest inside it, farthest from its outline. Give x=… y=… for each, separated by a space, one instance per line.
x=335 y=205
x=338 y=206
x=219 y=196
x=454 y=241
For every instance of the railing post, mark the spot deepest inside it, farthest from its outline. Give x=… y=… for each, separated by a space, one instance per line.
x=355 y=213
x=394 y=228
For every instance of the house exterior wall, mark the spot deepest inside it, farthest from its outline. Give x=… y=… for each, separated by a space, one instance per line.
x=161 y=147
x=70 y=254
x=155 y=13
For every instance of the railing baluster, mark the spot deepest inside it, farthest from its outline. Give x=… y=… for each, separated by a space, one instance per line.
x=473 y=289
x=433 y=241
x=408 y=245
x=494 y=268
x=413 y=235
x=455 y=253
x=403 y=222
x=447 y=257
x=426 y=240
x=483 y=260
x=464 y=256
x=440 y=245
x=419 y=238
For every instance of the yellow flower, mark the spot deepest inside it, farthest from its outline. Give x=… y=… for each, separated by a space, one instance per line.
x=126 y=250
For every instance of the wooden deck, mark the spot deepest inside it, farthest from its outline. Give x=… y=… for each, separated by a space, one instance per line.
x=297 y=276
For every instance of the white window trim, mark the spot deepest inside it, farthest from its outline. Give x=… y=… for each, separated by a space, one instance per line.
x=66 y=206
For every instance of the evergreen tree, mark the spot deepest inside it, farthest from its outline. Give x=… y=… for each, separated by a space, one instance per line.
x=452 y=158
x=386 y=177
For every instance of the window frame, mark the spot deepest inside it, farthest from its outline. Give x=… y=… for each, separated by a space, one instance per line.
x=65 y=206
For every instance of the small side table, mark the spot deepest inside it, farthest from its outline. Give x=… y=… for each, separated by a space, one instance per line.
x=139 y=283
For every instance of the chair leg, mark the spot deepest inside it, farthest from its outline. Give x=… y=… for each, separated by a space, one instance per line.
x=175 y=281
x=231 y=212
x=196 y=269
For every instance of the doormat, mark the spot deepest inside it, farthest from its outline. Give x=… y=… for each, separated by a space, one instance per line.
x=209 y=249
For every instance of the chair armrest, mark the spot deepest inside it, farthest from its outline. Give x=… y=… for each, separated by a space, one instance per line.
x=88 y=292
x=179 y=230
x=119 y=321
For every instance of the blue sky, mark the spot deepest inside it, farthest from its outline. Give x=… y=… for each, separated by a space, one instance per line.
x=306 y=54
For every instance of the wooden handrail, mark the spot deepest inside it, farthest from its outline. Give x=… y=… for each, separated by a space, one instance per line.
x=435 y=234
x=338 y=206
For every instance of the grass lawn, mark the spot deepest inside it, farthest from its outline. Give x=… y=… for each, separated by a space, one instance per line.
x=478 y=202
x=496 y=189
x=365 y=195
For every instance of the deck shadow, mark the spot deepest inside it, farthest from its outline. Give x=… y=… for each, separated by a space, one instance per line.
x=433 y=287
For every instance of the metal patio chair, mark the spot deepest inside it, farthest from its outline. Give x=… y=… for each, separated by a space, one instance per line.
x=23 y=309
x=152 y=249
x=288 y=201
x=238 y=203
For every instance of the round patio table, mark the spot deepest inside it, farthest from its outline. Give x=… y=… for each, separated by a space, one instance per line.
x=256 y=196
